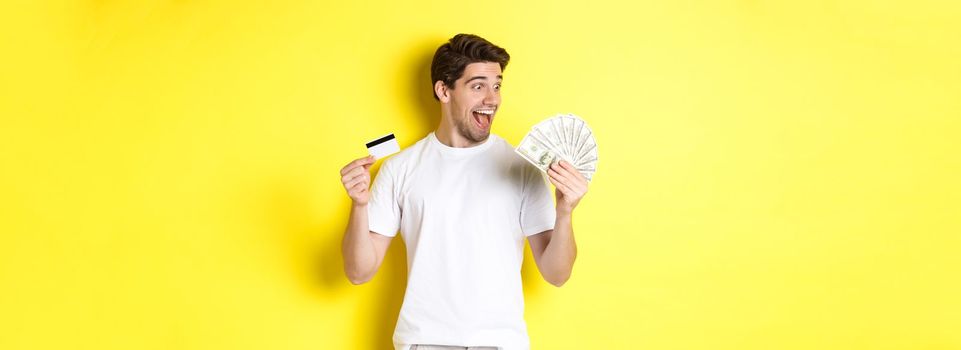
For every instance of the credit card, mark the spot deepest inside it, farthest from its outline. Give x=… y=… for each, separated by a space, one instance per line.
x=383 y=146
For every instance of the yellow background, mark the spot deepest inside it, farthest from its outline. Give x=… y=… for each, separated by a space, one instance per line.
x=773 y=175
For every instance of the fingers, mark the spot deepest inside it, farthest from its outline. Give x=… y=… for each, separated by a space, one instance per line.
x=572 y=182
x=365 y=162
x=563 y=172
x=356 y=189
x=352 y=174
x=356 y=176
x=559 y=181
x=359 y=194
x=570 y=167
x=359 y=162
x=363 y=179
x=569 y=173
x=356 y=168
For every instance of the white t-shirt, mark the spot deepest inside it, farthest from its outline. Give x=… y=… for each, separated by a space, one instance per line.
x=463 y=214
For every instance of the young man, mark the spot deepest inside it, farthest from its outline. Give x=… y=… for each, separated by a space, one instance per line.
x=464 y=202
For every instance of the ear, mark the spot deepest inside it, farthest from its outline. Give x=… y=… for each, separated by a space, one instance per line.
x=440 y=90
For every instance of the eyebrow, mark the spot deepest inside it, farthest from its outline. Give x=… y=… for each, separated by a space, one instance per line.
x=501 y=77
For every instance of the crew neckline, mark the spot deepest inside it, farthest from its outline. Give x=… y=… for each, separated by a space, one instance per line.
x=461 y=151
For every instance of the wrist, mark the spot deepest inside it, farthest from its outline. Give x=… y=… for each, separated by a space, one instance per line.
x=564 y=212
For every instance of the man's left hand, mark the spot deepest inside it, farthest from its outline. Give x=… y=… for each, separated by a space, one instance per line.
x=570 y=186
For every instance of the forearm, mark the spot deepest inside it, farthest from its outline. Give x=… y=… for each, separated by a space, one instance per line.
x=559 y=255
x=360 y=257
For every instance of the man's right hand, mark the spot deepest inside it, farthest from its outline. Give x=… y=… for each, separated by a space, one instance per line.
x=356 y=179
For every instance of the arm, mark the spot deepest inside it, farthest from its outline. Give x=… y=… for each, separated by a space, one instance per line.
x=555 y=250
x=362 y=249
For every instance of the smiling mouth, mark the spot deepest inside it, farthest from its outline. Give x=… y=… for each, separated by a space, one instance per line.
x=483 y=118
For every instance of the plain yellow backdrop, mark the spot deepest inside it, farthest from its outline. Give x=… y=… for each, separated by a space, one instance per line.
x=773 y=174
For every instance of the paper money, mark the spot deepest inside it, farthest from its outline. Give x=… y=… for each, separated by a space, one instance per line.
x=562 y=137
x=537 y=153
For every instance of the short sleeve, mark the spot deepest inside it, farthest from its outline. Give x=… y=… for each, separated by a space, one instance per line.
x=383 y=210
x=537 y=204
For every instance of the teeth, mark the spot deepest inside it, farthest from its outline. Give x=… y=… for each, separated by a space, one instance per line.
x=488 y=112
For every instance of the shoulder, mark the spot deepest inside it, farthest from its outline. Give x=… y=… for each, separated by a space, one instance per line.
x=407 y=156
x=510 y=155
x=519 y=167
x=503 y=148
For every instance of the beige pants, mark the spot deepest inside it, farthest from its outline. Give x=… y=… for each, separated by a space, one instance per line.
x=447 y=347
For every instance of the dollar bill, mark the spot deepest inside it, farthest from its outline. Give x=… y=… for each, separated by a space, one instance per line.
x=536 y=153
x=563 y=137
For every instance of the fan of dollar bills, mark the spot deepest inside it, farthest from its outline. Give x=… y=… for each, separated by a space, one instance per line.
x=562 y=137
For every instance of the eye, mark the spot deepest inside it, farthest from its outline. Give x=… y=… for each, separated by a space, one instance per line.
x=476 y=86
x=497 y=87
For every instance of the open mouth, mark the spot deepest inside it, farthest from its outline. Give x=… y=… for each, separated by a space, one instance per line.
x=483 y=118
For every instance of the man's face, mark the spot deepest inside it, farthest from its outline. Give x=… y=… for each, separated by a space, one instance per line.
x=474 y=100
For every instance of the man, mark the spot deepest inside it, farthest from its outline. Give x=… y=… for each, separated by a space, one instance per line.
x=463 y=201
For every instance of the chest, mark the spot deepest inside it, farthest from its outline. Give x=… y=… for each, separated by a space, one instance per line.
x=472 y=190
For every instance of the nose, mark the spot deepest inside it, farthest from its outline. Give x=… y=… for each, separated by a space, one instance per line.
x=493 y=97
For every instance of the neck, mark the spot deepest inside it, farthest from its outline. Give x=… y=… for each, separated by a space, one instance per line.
x=447 y=134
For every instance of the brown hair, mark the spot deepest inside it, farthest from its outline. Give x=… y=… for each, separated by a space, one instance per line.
x=461 y=50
